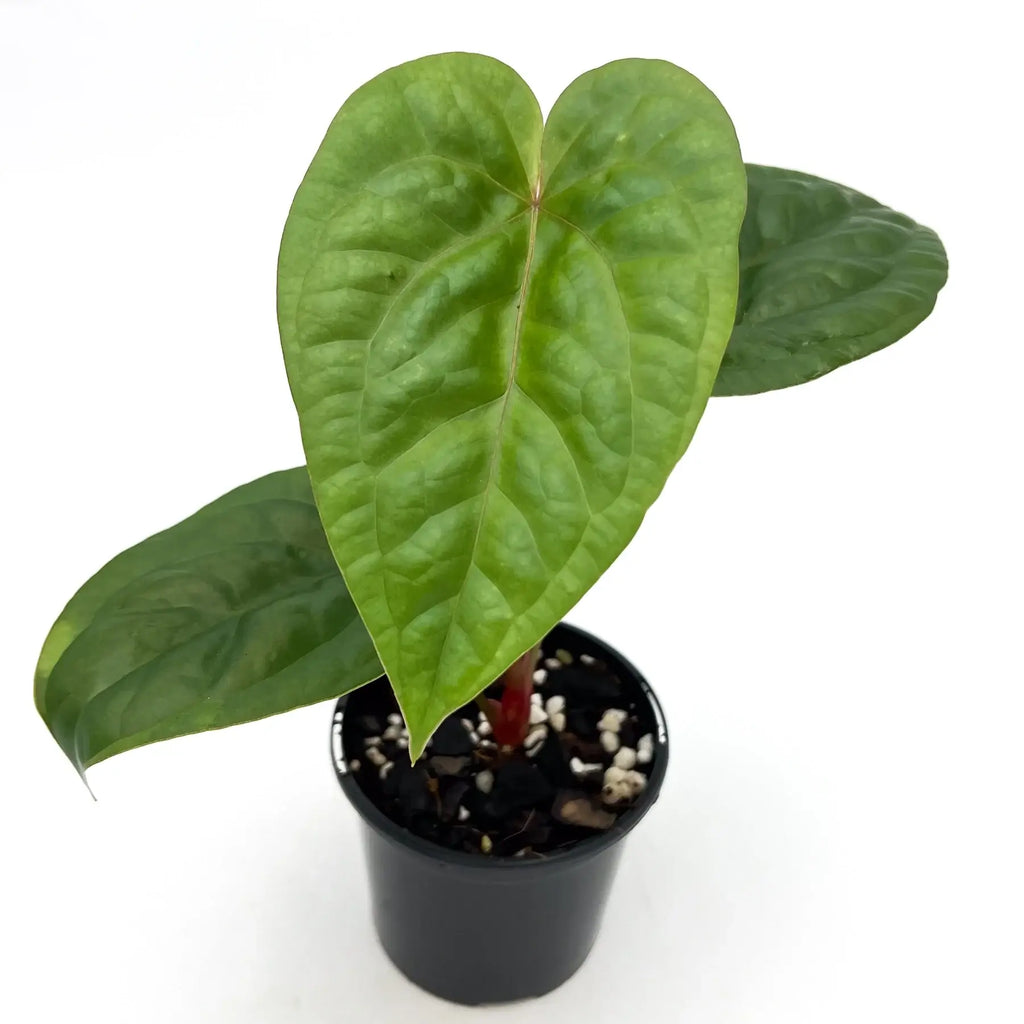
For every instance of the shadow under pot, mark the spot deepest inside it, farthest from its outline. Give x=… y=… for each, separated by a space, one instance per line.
x=489 y=871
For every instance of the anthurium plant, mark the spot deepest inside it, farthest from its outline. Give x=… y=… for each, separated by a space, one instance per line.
x=500 y=333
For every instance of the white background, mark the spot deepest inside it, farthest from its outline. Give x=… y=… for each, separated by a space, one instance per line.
x=827 y=596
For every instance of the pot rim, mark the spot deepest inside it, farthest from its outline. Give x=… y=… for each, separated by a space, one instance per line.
x=376 y=819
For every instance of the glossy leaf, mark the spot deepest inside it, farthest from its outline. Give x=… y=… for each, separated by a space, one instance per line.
x=236 y=613
x=500 y=337
x=827 y=276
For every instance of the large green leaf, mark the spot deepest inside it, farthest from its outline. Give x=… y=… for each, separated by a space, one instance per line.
x=236 y=613
x=827 y=276
x=500 y=337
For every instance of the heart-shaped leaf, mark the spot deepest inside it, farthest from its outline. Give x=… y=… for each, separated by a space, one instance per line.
x=236 y=613
x=827 y=276
x=500 y=337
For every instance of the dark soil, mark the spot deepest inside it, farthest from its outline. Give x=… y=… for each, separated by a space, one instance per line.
x=536 y=803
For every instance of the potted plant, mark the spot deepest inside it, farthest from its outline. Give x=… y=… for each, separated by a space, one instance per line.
x=500 y=335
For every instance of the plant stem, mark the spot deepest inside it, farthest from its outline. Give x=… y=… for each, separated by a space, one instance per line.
x=513 y=714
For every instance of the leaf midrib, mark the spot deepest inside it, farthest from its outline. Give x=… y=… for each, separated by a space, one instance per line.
x=234 y=621
x=95 y=607
x=221 y=700
x=307 y=584
x=896 y=263
x=517 y=334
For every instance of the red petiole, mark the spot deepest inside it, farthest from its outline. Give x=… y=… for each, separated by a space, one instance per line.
x=510 y=717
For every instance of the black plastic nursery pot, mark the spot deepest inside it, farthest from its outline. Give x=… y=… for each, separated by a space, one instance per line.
x=478 y=929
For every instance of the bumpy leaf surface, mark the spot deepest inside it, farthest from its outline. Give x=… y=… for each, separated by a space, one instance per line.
x=827 y=276
x=500 y=336
x=236 y=613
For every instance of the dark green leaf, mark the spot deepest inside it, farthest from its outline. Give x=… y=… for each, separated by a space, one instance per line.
x=827 y=276
x=236 y=613
x=500 y=338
